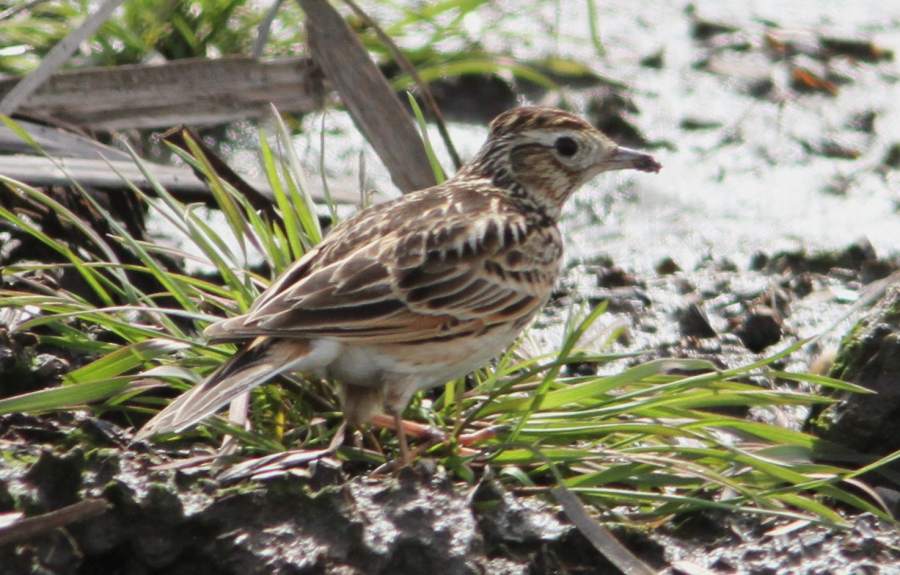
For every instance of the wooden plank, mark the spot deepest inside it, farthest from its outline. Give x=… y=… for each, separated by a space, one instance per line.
x=40 y=171
x=179 y=180
x=369 y=98
x=55 y=142
x=189 y=91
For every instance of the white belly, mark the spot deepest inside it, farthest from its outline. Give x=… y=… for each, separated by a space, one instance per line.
x=428 y=365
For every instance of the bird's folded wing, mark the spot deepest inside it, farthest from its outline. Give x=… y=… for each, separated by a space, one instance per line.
x=456 y=278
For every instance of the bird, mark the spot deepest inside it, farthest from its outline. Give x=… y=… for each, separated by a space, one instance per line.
x=411 y=293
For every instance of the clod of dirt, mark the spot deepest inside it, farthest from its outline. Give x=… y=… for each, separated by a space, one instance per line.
x=869 y=356
x=49 y=367
x=703 y=28
x=760 y=328
x=831 y=148
x=57 y=478
x=692 y=123
x=892 y=157
x=505 y=520
x=667 y=266
x=759 y=261
x=7 y=503
x=615 y=276
x=863 y=121
x=693 y=322
x=853 y=257
x=856 y=48
x=656 y=60
x=17 y=364
x=629 y=299
x=608 y=110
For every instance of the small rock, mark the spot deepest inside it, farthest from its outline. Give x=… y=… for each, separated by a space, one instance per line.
x=7 y=503
x=667 y=266
x=49 y=366
x=724 y=565
x=801 y=285
x=655 y=60
x=857 y=254
x=759 y=261
x=615 y=277
x=752 y=555
x=759 y=329
x=874 y=270
x=760 y=87
x=693 y=322
x=7 y=359
x=24 y=338
x=863 y=122
x=726 y=265
x=608 y=108
x=57 y=477
x=695 y=124
x=892 y=157
x=684 y=286
x=582 y=368
x=860 y=49
x=704 y=29
x=831 y=148
x=504 y=519
x=627 y=299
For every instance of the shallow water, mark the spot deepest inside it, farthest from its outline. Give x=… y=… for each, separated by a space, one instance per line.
x=715 y=198
x=748 y=183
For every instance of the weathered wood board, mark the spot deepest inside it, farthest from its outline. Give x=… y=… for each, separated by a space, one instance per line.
x=191 y=91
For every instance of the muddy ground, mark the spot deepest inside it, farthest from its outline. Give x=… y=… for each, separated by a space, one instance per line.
x=777 y=205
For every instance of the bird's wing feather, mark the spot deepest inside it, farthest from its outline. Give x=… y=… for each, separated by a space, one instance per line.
x=257 y=363
x=472 y=269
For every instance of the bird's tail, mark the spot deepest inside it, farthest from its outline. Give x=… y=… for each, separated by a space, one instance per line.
x=257 y=363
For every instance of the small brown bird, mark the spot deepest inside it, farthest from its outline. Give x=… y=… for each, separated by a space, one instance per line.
x=412 y=293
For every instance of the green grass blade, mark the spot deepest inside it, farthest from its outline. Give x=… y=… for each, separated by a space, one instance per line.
x=289 y=216
x=123 y=360
x=436 y=168
x=298 y=184
x=63 y=397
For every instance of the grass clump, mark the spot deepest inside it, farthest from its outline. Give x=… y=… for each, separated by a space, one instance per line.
x=647 y=443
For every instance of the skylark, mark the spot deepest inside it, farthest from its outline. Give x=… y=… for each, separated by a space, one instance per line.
x=409 y=294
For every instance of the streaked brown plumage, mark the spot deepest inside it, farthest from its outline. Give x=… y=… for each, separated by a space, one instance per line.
x=409 y=294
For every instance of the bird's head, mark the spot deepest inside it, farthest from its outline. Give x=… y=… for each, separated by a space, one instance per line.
x=545 y=154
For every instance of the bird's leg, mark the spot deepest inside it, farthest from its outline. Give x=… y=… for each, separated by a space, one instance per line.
x=432 y=434
x=405 y=459
x=411 y=428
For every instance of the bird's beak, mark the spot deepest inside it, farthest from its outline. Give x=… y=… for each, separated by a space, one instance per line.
x=627 y=159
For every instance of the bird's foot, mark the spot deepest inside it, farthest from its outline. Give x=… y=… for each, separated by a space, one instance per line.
x=430 y=435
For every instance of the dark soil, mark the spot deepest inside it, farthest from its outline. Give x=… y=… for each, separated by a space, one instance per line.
x=320 y=520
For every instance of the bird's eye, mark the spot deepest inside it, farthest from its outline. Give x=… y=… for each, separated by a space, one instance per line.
x=566 y=146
